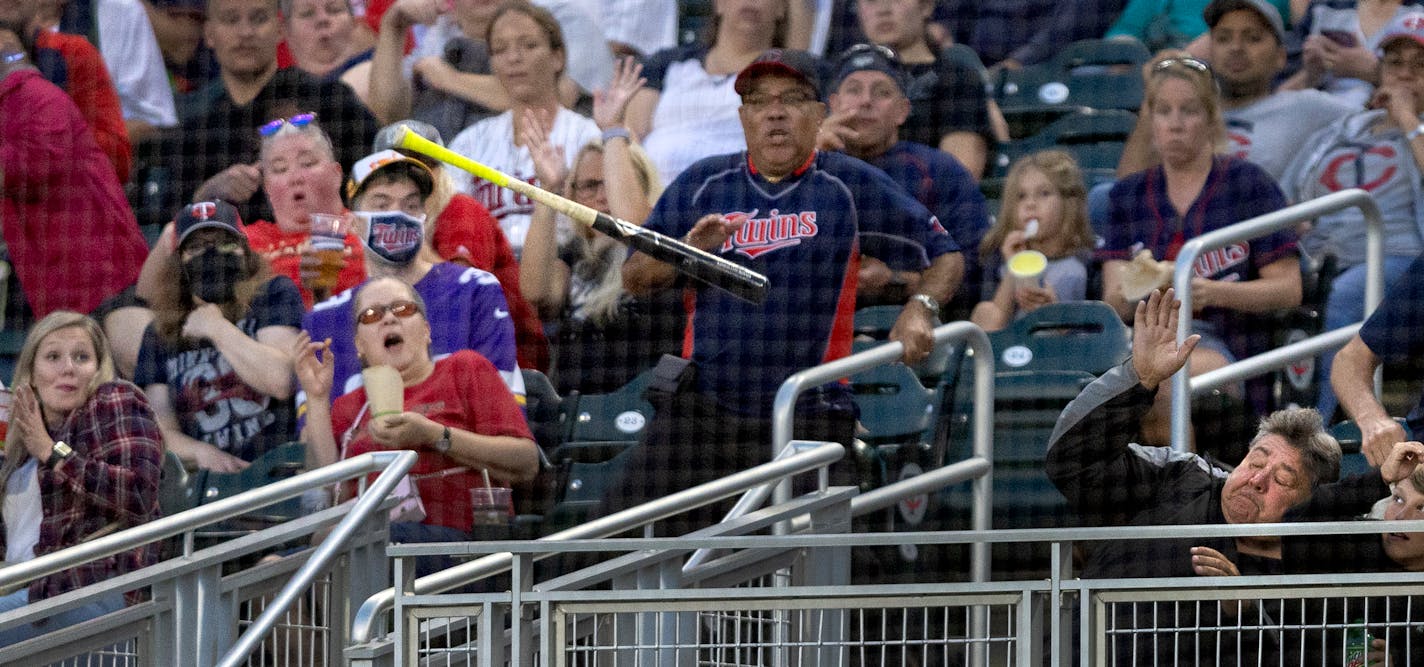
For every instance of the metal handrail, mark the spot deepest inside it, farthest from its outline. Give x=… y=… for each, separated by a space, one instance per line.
x=368 y=503
x=784 y=407
x=177 y=524
x=1249 y=229
x=368 y=619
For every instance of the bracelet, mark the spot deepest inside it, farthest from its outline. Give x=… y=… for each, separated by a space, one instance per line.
x=615 y=133
x=1414 y=133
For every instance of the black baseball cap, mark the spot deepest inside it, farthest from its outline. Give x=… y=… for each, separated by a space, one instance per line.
x=870 y=57
x=216 y=214
x=785 y=62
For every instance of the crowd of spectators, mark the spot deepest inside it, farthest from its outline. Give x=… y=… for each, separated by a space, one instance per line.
x=843 y=150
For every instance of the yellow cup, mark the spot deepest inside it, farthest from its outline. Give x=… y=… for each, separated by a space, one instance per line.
x=1028 y=266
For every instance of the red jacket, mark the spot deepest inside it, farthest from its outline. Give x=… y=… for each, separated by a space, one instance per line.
x=86 y=80
x=73 y=240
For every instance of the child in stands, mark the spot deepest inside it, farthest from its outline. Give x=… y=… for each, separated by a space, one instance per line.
x=1044 y=210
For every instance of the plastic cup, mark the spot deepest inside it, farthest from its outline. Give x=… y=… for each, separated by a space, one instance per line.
x=328 y=243
x=491 y=505
x=6 y=400
x=1028 y=267
x=385 y=390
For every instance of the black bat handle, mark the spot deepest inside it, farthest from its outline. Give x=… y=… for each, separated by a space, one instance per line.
x=737 y=280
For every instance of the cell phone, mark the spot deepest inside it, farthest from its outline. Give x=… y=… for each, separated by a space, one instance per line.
x=1344 y=38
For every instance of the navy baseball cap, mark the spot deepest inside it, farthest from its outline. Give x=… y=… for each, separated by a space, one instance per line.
x=1272 y=16
x=785 y=62
x=870 y=57
x=208 y=215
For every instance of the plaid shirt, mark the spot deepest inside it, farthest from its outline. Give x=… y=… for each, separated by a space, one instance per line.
x=112 y=478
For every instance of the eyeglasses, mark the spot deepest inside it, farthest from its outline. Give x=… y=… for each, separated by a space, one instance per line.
x=401 y=309
x=298 y=121
x=1185 y=61
x=790 y=98
x=191 y=250
x=587 y=188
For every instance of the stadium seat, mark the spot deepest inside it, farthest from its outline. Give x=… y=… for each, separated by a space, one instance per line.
x=1094 y=137
x=872 y=326
x=894 y=406
x=1094 y=73
x=176 y=492
x=285 y=461
x=1043 y=360
x=545 y=410
x=1348 y=433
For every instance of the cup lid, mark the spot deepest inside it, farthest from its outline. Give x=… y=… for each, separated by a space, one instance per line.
x=1028 y=264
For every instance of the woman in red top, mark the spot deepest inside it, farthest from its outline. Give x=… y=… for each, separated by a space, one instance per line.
x=459 y=415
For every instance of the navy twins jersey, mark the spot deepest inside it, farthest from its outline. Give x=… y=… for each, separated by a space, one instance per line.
x=806 y=235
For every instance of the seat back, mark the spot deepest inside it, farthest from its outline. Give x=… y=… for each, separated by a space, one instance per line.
x=1094 y=73
x=282 y=462
x=894 y=406
x=1353 y=461
x=619 y=416
x=544 y=410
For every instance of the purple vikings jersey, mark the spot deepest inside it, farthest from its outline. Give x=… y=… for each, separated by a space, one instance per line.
x=806 y=234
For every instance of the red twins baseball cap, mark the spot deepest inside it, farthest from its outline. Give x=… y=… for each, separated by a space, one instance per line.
x=207 y=215
x=786 y=62
x=1409 y=25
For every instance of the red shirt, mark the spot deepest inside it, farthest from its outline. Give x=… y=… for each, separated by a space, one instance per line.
x=465 y=232
x=64 y=212
x=87 y=82
x=464 y=392
x=284 y=251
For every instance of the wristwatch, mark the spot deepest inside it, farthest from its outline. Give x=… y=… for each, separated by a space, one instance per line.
x=443 y=444
x=60 y=452
x=928 y=302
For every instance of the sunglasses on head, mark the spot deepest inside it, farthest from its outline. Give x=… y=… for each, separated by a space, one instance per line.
x=401 y=309
x=298 y=121
x=885 y=51
x=1185 y=61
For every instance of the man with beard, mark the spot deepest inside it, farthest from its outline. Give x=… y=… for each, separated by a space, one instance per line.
x=1110 y=481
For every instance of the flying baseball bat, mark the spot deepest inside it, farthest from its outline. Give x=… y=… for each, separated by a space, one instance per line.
x=738 y=280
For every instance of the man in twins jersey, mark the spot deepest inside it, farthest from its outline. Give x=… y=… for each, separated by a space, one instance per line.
x=802 y=218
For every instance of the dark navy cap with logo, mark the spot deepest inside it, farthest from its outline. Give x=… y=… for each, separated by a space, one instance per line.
x=870 y=57
x=785 y=62
x=207 y=215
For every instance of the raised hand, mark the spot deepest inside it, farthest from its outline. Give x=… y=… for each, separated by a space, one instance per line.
x=27 y=423
x=1402 y=460
x=611 y=103
x=1155 y=353
x=314 y=366
x=549 y=160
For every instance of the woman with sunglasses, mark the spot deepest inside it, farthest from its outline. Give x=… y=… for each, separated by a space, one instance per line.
x=216 y=360
x=1198 y=189
x=527 y=56
x=459 y=415
x=301 y=177
x=1381 y=150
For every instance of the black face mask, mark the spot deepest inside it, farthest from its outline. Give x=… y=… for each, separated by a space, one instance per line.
x=213 y=275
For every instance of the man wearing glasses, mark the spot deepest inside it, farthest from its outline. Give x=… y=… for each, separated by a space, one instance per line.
x=801 y=217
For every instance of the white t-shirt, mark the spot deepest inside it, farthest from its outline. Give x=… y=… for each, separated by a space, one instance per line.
x=131 y=54
x=491 y=142
x=22 y=513
x=647 y=25
x=696 y=117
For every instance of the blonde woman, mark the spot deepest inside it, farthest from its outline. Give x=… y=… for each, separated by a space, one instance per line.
x=82 y=458
x=1198 y=189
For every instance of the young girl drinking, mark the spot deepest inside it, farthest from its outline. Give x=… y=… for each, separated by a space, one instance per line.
x=1044 y=210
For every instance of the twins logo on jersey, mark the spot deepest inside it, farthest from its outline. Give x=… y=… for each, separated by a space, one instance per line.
x=759 y=236
x=1219 y=261
x=1368 y=171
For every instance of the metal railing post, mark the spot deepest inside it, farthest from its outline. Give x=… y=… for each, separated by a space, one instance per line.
x=1249 y=229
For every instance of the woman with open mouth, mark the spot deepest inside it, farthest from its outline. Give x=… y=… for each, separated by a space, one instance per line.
x=458 y=415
